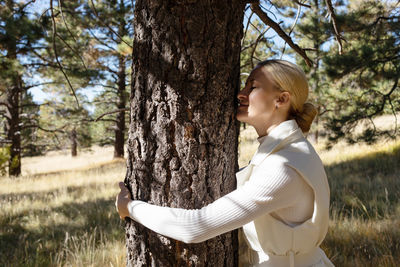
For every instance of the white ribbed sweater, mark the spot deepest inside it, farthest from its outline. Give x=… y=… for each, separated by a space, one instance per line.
x=280 y=191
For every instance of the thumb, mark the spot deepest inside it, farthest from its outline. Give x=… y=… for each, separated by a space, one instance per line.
x=122 y=186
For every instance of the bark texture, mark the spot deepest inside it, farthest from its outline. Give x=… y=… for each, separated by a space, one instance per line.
x=182 y=145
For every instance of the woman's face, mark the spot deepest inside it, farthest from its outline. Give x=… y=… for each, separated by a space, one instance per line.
x=258 y=99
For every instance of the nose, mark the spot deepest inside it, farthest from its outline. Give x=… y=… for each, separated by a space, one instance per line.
x=243 y=96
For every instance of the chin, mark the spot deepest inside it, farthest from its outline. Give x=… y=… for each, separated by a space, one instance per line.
x=241 y=118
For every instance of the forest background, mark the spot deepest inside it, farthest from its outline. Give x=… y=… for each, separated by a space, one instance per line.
x=71 y=49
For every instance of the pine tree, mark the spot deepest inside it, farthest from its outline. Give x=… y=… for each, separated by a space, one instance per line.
x=67 y=124
x=20 y=42
x=109 y=23
x=365 y=79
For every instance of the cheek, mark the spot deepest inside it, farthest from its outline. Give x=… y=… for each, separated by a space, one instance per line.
x=260 y=103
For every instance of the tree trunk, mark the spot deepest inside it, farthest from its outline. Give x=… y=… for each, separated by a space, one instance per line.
x=13 y=127
x=121 y=94
x=12 y=102
x=120 y=120
x=74 y=143
x=182 y=146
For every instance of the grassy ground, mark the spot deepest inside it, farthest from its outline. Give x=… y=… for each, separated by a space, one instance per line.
x=61 y=212
x=62 y=218
x=365 y=207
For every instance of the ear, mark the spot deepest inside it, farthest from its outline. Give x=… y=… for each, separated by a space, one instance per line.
x=283 y=98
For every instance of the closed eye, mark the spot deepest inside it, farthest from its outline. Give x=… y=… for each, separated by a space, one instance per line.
x=251 y=88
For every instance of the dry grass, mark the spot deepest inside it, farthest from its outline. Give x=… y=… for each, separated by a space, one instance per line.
x=62 y=218
x=56 y=161
x=62 y=213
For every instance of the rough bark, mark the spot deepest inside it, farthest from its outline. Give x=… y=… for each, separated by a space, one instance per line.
x=182 y=146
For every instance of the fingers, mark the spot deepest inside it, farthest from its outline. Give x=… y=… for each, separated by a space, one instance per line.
x=122 y=200
x=122 y=186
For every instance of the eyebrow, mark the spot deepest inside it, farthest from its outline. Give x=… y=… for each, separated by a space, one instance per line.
x=252 y=79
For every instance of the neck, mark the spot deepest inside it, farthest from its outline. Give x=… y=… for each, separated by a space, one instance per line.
x=266 y=128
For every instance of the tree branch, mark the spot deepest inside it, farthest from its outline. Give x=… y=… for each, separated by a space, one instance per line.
x=247 y=27
x=73 y=50
x=302 y=4
x=111 y=112
x=98 y=18
x=292 y=28
x=338 y=36
x=100 y=41
x=268 y=21
x=59 y=130
x=55 y=51
x=38 y=84
x=255 y=46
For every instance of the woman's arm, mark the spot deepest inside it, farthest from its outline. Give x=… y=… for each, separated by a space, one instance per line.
x=265 y=192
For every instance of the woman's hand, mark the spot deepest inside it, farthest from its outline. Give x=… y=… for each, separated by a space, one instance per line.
x=122 y=201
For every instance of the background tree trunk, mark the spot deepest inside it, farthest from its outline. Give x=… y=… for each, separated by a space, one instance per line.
x=74 y=143
x=121 y=94
x=12 y=103
x=13 y=126
x=120 y=119
x=182 y=146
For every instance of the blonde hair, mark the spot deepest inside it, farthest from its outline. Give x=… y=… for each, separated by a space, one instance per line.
x=289 y=77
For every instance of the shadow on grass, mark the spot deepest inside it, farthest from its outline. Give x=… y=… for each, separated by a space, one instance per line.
x=36 y=247
x=365 y=207
x=49 y=195
x=364 y=244
x=367 y=187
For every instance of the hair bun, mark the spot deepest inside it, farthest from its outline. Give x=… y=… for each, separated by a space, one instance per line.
x=306 y=117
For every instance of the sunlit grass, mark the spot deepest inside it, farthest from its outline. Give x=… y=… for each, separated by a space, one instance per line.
x=65 y=216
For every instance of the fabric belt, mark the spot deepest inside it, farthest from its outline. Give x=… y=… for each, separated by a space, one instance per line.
x=290 y=259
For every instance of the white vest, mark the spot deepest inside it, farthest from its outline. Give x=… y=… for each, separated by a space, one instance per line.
x=272 y=242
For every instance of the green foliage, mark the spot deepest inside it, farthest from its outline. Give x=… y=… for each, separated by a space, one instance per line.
x=61 y=116
x=29 y=119
x=367 y=73
x=255 y=48
x=360 y=84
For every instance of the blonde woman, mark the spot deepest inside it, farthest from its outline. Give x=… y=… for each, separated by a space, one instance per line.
x=282 y=196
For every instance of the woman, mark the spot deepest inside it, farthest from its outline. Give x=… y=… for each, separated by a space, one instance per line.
x=282 y=196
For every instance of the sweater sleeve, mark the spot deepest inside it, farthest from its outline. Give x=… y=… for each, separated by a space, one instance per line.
x=263 y=193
